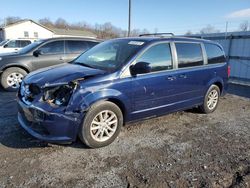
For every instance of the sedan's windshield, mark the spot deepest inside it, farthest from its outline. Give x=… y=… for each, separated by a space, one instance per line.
x=110 y=55
x=30 y=47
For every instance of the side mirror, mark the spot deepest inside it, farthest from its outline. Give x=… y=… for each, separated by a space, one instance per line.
x=5 y=46
x=140 y=68
x=36 y=53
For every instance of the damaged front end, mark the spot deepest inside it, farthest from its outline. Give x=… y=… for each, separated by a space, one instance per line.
x=43 y=111
x=55 y=95
x=59 y=95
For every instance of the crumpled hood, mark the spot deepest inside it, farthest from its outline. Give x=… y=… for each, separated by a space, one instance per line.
x=58 y=74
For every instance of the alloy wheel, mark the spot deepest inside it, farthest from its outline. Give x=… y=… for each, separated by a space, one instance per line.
x=14 y=79
x=103 y=126
x=212 y=99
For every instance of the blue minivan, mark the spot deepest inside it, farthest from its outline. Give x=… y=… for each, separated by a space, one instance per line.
x=119 y=81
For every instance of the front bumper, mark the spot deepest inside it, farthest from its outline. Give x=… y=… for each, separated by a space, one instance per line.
x=48 y=126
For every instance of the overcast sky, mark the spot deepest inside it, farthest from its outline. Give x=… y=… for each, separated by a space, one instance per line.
x=166 y=16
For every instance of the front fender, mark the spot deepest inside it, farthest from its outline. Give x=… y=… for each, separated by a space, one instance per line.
x=8 y=65
x=82 y=101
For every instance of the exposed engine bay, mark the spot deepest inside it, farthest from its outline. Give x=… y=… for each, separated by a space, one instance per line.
x=55 y=95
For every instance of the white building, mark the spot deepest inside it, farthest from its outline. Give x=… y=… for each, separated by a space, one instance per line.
x=33 y=30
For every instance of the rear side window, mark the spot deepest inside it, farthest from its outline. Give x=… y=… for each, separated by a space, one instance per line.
x=189 y=54
x=76 y=46
x=159 y=57
x=23 y=43
x=56 y=47
x=214 y=54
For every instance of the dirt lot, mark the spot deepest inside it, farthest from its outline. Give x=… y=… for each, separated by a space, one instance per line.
x=185 y=149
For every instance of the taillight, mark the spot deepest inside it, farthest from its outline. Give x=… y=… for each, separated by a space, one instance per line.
x=228 y=70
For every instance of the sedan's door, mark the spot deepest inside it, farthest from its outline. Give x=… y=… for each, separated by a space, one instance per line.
x=51 y=53
x=154 y=92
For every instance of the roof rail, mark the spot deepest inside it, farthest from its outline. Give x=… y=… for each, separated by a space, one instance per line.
x=156 y=34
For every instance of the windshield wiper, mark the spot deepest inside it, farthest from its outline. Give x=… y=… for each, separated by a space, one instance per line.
x=83 y=64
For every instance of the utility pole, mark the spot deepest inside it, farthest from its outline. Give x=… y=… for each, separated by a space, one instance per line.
x=226 y=30
x=129 y=16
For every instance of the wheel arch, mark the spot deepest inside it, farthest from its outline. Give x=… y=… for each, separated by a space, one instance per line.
x=120 y=104
x=117 y=102
x=220 y=85
x=16 y=66
x=218 y=82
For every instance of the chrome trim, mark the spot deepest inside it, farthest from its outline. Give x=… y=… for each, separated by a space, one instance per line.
x=204 y=53
x=126 y=72
x=174 y=55
x=165 y=105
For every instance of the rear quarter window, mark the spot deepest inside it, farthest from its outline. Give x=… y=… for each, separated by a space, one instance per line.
x=214 y=54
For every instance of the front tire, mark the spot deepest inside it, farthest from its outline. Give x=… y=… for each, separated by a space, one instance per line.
x=12 y=77
x=211 y=100
x=101 y=125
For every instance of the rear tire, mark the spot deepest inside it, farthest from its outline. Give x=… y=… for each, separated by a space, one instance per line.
x=211 y=100
x=101 y=125
x=12 y=77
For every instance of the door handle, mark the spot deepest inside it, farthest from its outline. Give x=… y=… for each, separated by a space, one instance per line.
x=183 y=76
x=171 y=78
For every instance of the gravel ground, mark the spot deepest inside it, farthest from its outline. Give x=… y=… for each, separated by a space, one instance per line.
x=184 y=149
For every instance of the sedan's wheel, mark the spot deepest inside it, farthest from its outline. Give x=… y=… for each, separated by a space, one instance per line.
x=101 y=124
x=11 y=78
x=211 y=99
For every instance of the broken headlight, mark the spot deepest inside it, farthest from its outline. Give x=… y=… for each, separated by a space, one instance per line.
x=59 y=95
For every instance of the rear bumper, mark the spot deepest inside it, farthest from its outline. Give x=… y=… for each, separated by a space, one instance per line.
x=46 y=126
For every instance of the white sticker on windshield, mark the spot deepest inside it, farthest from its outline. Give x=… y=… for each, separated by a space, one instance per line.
x=139 y=43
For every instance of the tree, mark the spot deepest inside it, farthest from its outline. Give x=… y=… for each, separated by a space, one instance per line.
x=11 y=19
x=80 y=25
x=209 y=29
x=46 y=22
x=61 y=23
x=244 y=26
x=103 y=31
x=189 y=32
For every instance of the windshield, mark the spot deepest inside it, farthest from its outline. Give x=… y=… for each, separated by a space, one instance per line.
x=30 y=47
x=110 y=55
x=3 y=42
